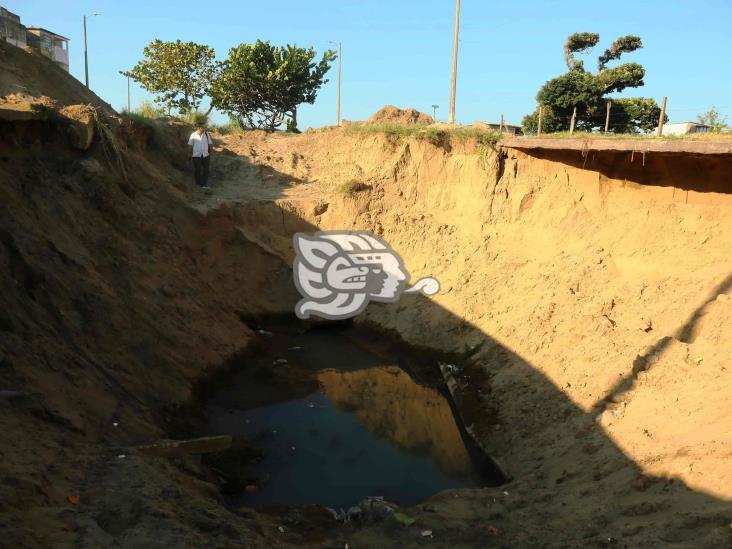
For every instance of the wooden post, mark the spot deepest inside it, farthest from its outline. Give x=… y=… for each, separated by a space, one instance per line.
x=659 y=131
x=538 y=127
x=500 y=128
x=607 y=116
x=573 y=121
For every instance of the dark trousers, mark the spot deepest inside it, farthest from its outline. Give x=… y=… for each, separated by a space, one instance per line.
x=200 y=169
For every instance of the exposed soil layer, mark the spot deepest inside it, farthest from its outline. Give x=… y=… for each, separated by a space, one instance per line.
x=594 y=311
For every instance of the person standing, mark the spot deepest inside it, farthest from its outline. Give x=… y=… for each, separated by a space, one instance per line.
x=199 y=150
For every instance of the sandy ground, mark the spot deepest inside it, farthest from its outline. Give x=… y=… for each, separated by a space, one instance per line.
x=593 y=309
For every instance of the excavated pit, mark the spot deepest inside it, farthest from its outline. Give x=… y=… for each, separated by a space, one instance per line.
x=586 y=299
x=335 y=414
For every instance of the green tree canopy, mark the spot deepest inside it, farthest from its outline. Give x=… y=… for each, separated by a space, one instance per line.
x=586 y=91
x=261 y=85
x=714 y=120
x=179 y=73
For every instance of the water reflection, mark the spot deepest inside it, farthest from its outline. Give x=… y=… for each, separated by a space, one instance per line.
x=390 y=404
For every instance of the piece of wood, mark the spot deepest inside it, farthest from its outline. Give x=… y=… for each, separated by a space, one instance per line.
x=448 y=374
x=203 y=445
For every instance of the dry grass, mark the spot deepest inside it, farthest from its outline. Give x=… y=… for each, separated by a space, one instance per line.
x=726 y=136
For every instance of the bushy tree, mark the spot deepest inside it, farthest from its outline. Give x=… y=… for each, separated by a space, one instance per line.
x=179 y=73
x=261 y=85
x=586 y=91
x=714 y=120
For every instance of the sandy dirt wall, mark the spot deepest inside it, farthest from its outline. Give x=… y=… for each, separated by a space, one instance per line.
x=595 y=282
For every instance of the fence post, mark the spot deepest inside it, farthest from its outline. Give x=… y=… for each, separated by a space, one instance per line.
x=538 y=127
x=574 y=119
x=659 y=131
x=607 y=116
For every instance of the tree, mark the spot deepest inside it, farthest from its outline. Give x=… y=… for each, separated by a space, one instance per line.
x=586 y=91
x=714 y=120
x=261 y=85
x=181 y=73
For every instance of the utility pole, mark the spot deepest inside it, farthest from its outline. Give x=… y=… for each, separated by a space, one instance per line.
x=659 y=131
x=538 y=126
x=128 y=95
x=338 y=102
x=573 y=121
x=453 y=82
x=86 y=56
x=434 y=112
x=607 y=116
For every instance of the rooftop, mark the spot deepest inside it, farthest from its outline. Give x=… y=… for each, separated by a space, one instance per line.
x=48 y=31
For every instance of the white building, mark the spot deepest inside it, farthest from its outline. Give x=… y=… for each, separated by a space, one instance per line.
x=684 y=128
x=46 y=42
x=49 y=44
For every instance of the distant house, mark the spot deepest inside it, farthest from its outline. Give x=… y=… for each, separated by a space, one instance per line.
x=49 y=44
x=684 y=128
x=507 y=128
x=11 y=30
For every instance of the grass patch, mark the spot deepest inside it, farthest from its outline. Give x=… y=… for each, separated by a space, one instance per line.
x=351 y=187
x=228 y=128
x=137 y=118
x=430 y=132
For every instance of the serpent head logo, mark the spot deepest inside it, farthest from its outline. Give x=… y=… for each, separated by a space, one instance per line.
x=339 y=272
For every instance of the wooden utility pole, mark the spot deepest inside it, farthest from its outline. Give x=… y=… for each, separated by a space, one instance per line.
x=659 y=131
x=338 y=106
x=86 y=58
x=607 y=116
x=503 y=125
x=572 y=122
x=538 y=127
x=128 y=95
x=453 y=82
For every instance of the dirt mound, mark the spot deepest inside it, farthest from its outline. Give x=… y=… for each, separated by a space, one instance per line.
x=390 y=114
x=29 y=76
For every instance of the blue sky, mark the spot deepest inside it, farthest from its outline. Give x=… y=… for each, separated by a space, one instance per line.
x=400 y=51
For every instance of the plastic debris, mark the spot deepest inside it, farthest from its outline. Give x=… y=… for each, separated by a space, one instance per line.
x=371 y=508
x=281 y=529
x=115 y=424
x=122 y=456
x=426 y=533
x=505 y=492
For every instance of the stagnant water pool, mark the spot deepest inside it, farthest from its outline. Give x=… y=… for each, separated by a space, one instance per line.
x=338 y=422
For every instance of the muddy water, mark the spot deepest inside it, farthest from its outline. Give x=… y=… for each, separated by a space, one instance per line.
x=338 y=422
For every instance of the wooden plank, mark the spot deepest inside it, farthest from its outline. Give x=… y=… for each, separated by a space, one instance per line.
x=203 y=445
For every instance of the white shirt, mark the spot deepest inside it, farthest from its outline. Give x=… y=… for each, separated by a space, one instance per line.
x=200 y=143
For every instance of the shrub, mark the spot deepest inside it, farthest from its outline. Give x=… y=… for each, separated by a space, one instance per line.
x=351 y=187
